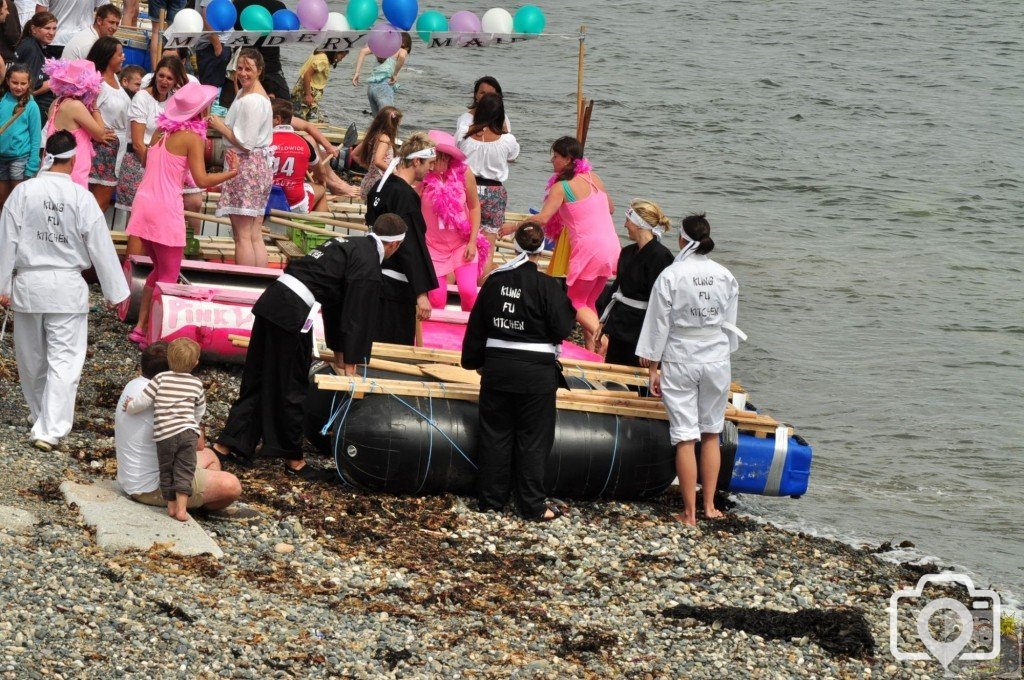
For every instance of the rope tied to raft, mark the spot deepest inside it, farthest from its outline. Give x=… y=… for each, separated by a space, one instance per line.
x=430 y=421
x=430 y=446
x=330 y=421
x=611 y=467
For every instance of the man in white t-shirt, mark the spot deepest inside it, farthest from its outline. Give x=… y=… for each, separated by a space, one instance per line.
x=72 y=16
x=137 y=468
x=108 y=20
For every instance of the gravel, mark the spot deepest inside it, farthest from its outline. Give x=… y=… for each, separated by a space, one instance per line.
x=330 y=583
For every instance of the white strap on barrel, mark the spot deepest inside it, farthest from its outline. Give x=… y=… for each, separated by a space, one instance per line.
x=771 y=487
x=397 y=276
x=617 y=296
x=525 y=346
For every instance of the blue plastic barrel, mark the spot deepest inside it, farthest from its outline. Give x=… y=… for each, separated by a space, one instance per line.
x=761 y=467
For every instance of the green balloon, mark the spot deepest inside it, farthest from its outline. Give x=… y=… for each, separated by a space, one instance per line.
x=256 y=18
x=429 y=22
x=361 y=14
x=529 y=19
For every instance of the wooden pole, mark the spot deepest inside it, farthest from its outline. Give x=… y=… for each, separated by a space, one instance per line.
x=579 y=82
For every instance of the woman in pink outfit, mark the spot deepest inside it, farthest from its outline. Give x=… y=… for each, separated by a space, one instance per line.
x=76 y=84
x=577 y=200
x=451 y=209
x=158 y=216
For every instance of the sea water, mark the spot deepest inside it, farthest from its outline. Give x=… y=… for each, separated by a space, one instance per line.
x=862 y=167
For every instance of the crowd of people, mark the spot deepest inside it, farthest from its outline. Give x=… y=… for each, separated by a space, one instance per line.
x=435 y=206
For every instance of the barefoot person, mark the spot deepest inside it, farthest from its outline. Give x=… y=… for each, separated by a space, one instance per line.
x=138 y=472
x=690 y=330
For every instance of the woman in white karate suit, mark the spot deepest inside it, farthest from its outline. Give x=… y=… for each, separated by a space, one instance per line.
x=688 y=334
x=52 y=230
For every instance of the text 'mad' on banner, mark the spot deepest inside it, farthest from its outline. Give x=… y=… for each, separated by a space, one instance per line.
x=332 y=41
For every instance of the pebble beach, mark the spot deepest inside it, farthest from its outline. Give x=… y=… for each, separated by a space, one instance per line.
x=330 y=583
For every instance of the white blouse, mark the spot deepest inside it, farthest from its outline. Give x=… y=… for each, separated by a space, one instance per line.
x=145 y=109
x=464 y=122
x=490 y=159
x=252 y=120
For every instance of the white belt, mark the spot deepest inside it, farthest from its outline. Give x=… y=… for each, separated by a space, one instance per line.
x=297 y=287
x=710 y=331
x=548 y=348
x=397 y=276
x=617 y=296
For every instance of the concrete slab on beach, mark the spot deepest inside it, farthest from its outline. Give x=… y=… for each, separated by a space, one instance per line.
x=123 y=524
x=15 y=520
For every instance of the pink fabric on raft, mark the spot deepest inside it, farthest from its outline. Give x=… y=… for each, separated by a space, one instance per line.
x=593 y=245
x=166 y=262
x=584 y=292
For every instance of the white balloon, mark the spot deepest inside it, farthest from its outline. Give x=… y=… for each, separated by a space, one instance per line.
x=496 y=20
x=336 y=21
x=187 y=21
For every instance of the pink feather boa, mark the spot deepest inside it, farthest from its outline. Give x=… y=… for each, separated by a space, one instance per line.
x=554 y=226
x=196 y=125
x=446 y=193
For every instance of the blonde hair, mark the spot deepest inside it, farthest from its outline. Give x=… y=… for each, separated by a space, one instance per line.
x=651 y=213
x=418 y=141
x=183 y=355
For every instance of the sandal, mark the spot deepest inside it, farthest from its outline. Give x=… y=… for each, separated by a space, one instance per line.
x=137 y=336
x=311 y=474
x=233 y=458
x=555 y=511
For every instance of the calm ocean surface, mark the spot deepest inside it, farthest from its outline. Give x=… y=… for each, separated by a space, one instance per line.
x=863 y=172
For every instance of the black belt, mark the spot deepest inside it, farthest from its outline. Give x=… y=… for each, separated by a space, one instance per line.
x=130 y=148
x=484 y=182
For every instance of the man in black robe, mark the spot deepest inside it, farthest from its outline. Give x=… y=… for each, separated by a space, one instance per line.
x=409 y=275
x=513 y=338
x=342 y=280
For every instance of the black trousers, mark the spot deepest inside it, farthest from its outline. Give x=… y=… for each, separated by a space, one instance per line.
x=273 y=394
x=275 y=85
x=622 y=353
x=396 y=318
x=517 y=432
x=212 y=69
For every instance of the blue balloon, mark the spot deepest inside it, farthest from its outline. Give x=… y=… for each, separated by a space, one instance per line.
x=286 y=20
x=221 y=15
x=401 y=13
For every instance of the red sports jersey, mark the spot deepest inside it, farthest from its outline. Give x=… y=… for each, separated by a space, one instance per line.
x=292 y=156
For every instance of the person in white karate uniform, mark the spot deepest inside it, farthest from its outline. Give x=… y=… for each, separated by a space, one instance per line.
x=52 y=230
x=688 y=335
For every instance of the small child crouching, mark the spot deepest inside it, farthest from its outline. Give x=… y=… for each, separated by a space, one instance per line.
x=178 y=403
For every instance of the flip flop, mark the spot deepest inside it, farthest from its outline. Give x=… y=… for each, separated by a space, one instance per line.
x=311 y=474
x=556 y=512
x=137 y=336
x=233 y=458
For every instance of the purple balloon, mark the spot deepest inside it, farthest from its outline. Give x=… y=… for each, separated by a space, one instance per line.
x=464 y=22
x=312 y=14
x=384 y=40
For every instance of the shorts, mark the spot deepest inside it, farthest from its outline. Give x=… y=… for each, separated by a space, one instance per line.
x=104 y=163
x=493 y=200
x=308 y=200
x=13 y=170
x=695 y=397
x=172 y=7
x=156 y=498
x=190 y=185
x=246 y=193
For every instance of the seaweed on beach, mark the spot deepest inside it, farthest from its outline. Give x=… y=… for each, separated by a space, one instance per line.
x=840 y=632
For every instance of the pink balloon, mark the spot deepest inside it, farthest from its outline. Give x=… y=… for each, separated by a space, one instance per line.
x=464 y=22
x=312 y=14
x=384 y=40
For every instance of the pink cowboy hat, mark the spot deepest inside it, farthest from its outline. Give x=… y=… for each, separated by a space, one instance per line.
x=75 y=78
x=188 y=101
x=445 y=144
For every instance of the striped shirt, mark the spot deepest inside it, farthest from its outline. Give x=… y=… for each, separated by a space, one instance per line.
x=178 y=402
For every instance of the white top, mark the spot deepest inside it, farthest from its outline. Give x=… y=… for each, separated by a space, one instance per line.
x=52 y=230
x=80 y=44
x=252 y=120
x=26 y=10
x=695 y=293
x=490 y=159
x=137 y=467
x=72 y=16
x=466 y=120
x=114 y=103
x=145 y=109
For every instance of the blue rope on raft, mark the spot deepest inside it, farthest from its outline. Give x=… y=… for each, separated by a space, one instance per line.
x=615 y=451
x=327 y=426
x=430 y=421
x=430 y=446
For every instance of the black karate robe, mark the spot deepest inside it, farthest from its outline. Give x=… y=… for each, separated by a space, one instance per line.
x=396 y=321
x=637 y=271
x=517 y=390
x=345 y=278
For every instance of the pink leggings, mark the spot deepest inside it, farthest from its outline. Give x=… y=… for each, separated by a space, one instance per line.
x=465 y=279
x=584 y=292
x=166 y=262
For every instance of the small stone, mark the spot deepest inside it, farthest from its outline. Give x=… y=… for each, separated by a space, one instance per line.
x=284 y=548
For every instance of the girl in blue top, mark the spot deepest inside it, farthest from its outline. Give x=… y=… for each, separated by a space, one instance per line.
x=21 y=125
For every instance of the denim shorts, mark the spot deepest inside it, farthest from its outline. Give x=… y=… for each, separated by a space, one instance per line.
x=13 y=170
x=172 y=7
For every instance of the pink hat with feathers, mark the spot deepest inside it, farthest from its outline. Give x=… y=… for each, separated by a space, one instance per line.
x=76 y=78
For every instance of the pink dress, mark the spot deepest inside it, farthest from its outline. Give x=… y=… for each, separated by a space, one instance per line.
x=83 y=149
x=446 y=246
x=158 y=214
x=593 y=245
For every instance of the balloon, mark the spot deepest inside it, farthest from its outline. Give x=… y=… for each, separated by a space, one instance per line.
x=187 y=21
x=530 y=20
x=257 y=18
x=401 y=13
x=221 y=14
x=361 y=14
x=336 y=21
x=496 y=20
x=312 y=14
x=384 y=40
x=429 y=22
x=285 y=20
x=464 y=22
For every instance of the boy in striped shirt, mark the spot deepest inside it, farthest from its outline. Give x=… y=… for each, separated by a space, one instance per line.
x=178 y=402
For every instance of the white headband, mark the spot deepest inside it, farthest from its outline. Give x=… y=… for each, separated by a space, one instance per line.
x=519 y=249
x=425 y=154
x=634 y=217
x=49 y=158
x=690 y=247
x=388 y=239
